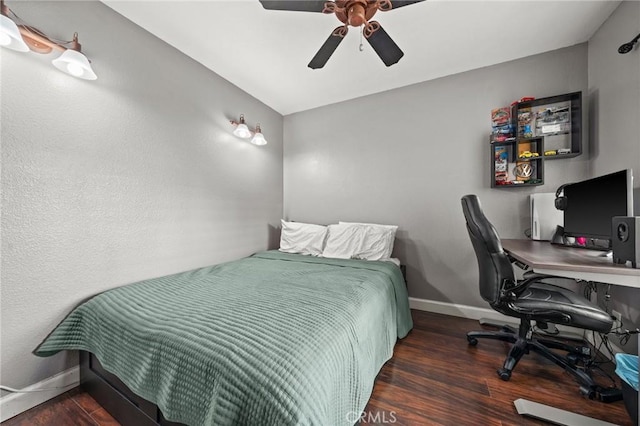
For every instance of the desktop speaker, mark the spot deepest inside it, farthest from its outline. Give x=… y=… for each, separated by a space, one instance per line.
x=625 y=239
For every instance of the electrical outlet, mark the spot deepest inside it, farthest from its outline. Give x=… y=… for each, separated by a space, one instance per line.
x=618 y=318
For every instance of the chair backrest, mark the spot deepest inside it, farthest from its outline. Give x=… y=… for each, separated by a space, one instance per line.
x=493 y=263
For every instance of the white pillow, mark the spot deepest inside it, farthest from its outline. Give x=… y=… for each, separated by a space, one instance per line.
x=360 y=241
x=382 y=236
x=303 y=238
x=343 y=241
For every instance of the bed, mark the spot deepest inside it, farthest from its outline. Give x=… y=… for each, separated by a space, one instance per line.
x=271 y=339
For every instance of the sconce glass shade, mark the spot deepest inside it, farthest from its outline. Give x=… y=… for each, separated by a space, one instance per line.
x=10 y=35
x=76 y=64
x=258 y=139
x=242 y=131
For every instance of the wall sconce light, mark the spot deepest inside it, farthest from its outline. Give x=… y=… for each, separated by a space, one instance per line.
x=23 y=38
x=258 y=137
x=243 y=131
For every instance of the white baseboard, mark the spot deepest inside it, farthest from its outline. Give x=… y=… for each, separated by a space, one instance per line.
x=18 y=402
x=463 y=311
x=475 y=313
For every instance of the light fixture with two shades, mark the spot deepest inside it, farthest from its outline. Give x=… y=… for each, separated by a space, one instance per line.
x=23 y=38
x=243 y=131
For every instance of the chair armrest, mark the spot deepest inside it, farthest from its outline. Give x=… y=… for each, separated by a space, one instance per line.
x=511 y=293
x=531 y=277
x=514 y=291
x=520 y=286
x=551 y=315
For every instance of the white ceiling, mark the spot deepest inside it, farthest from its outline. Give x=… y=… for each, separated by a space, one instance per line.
x=266 y=52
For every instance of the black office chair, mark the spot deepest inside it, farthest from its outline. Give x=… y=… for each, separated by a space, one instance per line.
x=530 y=300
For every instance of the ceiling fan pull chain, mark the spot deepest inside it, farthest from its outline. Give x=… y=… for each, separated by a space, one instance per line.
x=361 y=47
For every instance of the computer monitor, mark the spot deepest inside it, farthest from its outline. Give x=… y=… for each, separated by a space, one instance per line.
x=592 y=203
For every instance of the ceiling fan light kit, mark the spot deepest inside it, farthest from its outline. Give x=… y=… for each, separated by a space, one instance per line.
x=24 y=38
x=355 y=13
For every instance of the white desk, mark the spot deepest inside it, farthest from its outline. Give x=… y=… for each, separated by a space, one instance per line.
x=589 y=265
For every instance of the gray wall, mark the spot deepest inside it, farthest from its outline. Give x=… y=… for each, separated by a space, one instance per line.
x=132 y=176
x=614 y=93
x=406 y=156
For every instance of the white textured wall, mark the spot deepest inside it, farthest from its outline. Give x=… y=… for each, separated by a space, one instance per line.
x=614 y=93
x=133 y=176
x=406 y=156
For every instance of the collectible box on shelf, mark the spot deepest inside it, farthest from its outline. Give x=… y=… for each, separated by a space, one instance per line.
x=553 y=120
x=501 y=127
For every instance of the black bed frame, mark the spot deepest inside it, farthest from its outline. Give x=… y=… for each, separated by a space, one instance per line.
x=115 y=397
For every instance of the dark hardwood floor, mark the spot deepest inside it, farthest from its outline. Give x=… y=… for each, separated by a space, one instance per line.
x=73 y=408
x=434 y=378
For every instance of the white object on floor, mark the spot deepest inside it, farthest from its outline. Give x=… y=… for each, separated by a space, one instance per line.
x=555 y=415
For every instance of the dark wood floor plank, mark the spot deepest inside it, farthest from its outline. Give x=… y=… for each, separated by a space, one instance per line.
x=422 y=366
x=434 y=379
x=403 y=417
x=103 y=418
x=436 y=402
x=88 y=404
x=59 y=411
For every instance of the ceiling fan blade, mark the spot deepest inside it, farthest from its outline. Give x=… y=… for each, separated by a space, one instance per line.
x=295 y=5
x=384 y=46
x=387 y=5
x=328 y=48
x=401 y=3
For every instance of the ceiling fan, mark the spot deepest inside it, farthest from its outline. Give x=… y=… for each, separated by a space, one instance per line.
x=353 y=13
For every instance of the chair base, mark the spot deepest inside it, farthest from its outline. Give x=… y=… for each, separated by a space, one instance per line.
x=523 y=343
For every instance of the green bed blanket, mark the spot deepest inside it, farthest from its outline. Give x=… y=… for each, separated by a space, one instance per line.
x=272 y=339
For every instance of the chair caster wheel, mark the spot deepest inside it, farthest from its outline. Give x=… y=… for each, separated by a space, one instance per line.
x=572 y=360
x=504 y=374
x=472 y=340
